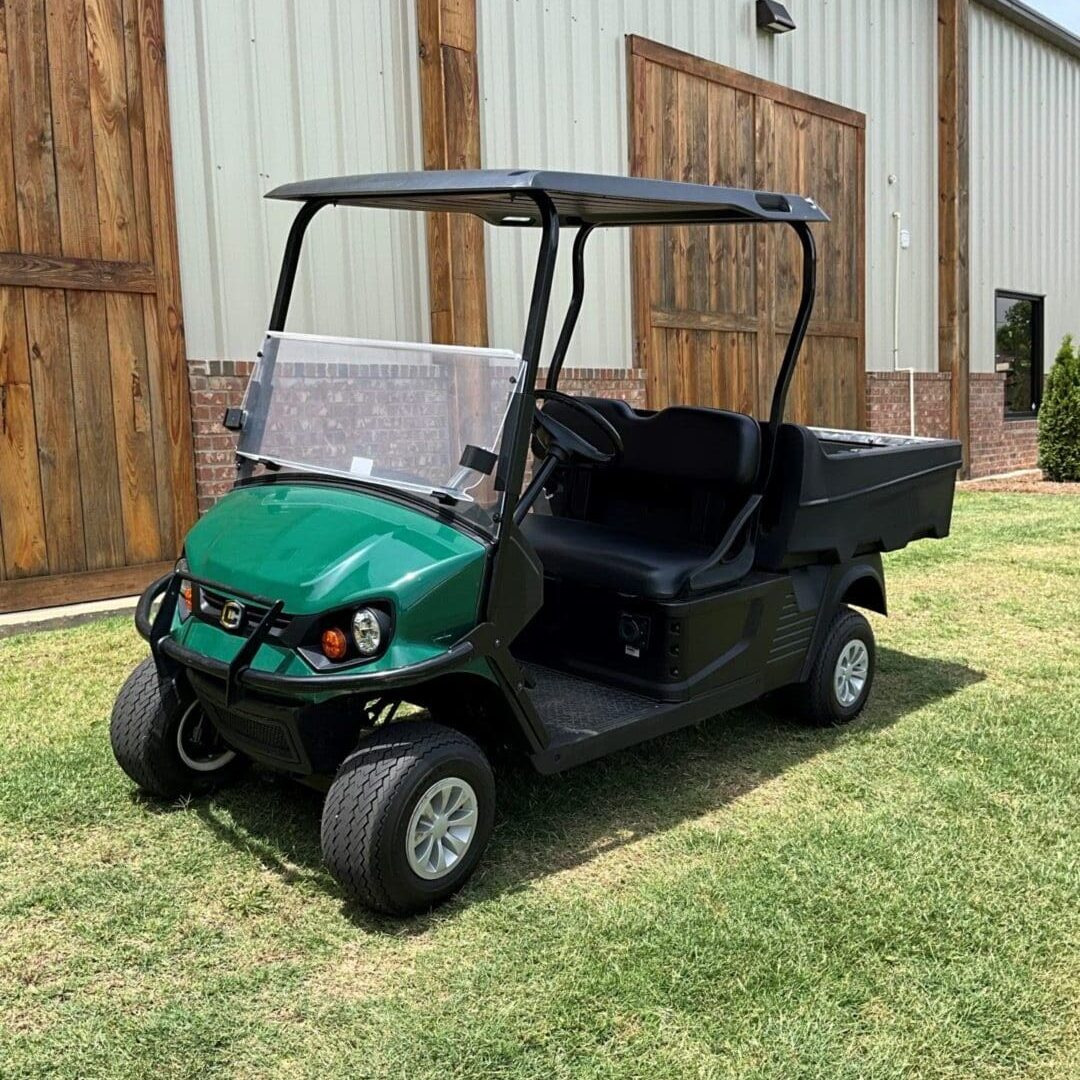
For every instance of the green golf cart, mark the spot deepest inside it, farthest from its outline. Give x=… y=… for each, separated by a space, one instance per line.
x=555 y=576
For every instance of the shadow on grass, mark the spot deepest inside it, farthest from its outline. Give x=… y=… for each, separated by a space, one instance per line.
x=545 y=825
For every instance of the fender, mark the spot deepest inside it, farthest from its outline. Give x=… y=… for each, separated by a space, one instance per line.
x=860 y=582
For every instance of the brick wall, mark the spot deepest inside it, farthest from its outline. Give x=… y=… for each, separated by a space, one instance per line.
x=215 y=386
x=219 y=384
x=998 y=445
x=625 y=383
x=888 y=403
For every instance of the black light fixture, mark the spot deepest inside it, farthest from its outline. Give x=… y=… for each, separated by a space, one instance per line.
x=774 y=17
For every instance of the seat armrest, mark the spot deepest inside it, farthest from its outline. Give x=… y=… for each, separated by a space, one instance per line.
x=718 y=566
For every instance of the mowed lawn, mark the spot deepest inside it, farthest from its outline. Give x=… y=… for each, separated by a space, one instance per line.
x=901 y=898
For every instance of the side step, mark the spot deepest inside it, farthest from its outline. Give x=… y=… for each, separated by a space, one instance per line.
x=587 y=719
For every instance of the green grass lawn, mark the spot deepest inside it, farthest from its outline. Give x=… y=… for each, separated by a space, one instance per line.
x=901 y=898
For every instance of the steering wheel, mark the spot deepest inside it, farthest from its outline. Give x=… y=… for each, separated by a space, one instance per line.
x=564 y=442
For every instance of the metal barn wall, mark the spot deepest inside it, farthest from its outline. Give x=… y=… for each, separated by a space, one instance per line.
x=266 y=91
x=1025 y=178
x=553 y=89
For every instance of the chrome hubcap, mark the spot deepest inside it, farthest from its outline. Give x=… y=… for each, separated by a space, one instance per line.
x=852 y=668
x=198 y=743
x=441 y=828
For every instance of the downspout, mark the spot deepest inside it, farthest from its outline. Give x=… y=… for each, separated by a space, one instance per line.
x=896 y=329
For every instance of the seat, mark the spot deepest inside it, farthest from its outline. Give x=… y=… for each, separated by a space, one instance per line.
x=646 y=522
x=587 y=553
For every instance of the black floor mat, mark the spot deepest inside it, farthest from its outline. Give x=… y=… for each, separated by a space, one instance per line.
x=573 y=708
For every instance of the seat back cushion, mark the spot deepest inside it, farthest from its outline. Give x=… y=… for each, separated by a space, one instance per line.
x=683 y=474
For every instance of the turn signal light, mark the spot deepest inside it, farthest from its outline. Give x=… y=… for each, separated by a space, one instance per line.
x=187 y=599
x=334 y=644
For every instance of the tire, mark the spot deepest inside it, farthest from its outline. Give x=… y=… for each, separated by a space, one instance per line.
x=153 y=733
x=375 y=803
x=820 y=701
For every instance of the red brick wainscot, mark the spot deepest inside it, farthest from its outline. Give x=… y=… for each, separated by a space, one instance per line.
x=888 y=403
x=998 y=445
x=219 y=384
x=216 y=385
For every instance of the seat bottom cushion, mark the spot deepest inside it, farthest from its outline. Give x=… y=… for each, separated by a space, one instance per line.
x=590 y=554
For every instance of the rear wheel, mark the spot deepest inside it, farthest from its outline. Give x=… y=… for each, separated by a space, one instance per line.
x=408 y=816
x=163 y=739
x=842 y=674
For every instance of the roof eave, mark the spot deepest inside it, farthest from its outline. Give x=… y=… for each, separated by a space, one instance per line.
x=1038 y=24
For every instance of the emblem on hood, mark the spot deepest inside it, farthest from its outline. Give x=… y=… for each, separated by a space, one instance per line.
x=232 y=615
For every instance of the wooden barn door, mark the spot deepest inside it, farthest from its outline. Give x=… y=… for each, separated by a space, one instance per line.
x=96 y=469
x=713 y=305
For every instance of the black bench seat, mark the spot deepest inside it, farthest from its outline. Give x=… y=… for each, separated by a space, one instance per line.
x=587 y=553
x=646 y=522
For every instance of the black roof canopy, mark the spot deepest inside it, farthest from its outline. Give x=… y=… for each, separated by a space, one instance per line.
x=506 y=197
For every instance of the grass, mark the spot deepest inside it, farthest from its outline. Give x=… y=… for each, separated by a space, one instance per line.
x=901 y=898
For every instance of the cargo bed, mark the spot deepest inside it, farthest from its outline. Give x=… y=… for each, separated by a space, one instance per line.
x=838 y=494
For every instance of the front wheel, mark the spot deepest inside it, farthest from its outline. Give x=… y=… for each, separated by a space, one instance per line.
x=163 y=739
x=842 y=674
x=408 y=817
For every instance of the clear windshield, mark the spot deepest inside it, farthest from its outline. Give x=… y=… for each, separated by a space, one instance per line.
x=391 y=413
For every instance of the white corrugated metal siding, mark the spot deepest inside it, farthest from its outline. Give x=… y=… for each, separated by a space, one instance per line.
x=1025 y=178
x=553 y=89
x=267 y=91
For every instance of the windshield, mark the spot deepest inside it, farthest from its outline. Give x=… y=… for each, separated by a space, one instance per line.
x=390 y=413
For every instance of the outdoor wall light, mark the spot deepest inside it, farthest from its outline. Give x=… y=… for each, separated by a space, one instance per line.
x=774 y=17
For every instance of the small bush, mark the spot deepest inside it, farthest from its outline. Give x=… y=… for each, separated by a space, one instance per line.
x=1059 y=416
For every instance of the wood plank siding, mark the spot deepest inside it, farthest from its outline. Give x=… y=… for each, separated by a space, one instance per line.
x=96 y=471
x=713 y=305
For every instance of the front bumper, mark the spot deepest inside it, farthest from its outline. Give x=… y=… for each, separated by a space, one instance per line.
x=302 y=724
x=290 y=736
x=238 y=675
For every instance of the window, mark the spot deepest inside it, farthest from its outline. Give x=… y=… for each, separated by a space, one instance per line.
x=1018 y=351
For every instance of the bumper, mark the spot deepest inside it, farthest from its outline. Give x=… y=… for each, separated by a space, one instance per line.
x=239 y=676
x=289 y=736
x=301 y=724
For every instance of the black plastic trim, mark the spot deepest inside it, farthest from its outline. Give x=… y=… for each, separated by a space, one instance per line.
x=273 y=683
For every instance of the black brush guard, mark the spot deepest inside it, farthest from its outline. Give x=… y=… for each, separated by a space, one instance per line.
x=237 y=674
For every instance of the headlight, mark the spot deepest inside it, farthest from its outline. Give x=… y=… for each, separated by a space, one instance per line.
x=367 y=632
x=185 y=601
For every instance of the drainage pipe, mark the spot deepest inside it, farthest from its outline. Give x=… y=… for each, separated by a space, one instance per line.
x=896 y=328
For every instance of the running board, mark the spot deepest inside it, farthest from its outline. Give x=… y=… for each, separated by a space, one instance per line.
x=587 y=719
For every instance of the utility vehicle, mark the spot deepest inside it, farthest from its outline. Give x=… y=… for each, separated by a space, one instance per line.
x=549 y=575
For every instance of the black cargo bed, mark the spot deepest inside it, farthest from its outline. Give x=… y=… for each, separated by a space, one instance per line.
x=838 y=494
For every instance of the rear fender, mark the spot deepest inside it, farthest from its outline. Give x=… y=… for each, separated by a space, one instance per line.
x=863 y=585
x=860 y=583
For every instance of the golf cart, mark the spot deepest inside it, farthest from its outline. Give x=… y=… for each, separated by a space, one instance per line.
x=549 y=575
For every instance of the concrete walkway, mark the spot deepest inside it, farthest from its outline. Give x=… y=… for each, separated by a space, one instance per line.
x=51 y=618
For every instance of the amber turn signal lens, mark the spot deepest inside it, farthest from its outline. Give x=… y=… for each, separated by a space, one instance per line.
x=187 y=599
x=334 y=644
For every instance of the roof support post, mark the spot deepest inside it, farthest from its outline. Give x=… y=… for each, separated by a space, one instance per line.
x=798 y=330
x=290 y=262
x=954 y=300
x=577 y=295
x=450 y=117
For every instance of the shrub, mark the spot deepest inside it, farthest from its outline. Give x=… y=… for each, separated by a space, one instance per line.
x=1059 y=416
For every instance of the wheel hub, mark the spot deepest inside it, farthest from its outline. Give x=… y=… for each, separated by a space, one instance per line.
x=852 y=668
x=198 y=743
x=441 y=828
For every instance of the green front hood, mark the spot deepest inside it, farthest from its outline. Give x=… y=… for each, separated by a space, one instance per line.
x=321 y=547
x=317 y=548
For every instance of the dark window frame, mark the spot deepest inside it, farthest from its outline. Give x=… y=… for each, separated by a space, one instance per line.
x=1038 y=358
